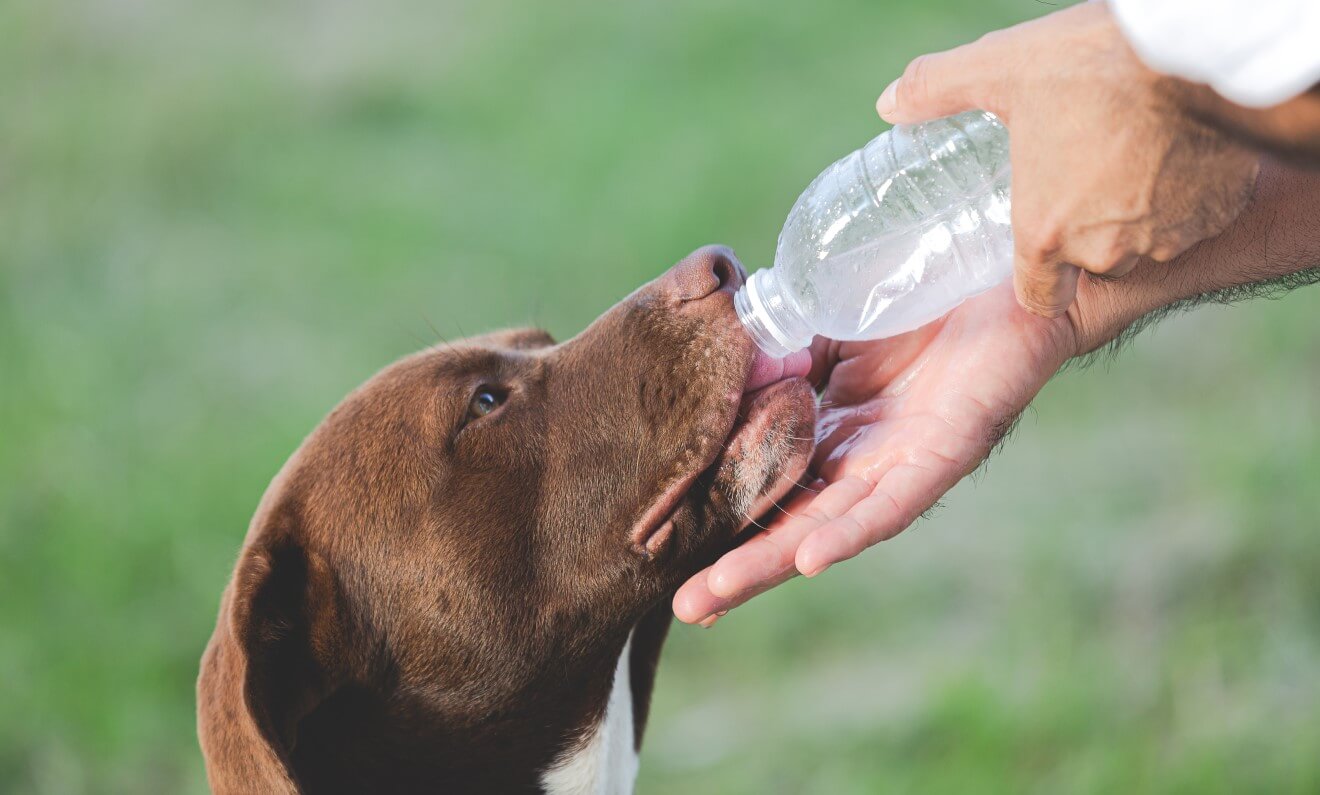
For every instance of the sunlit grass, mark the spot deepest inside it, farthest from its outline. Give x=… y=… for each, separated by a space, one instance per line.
x=215 y=219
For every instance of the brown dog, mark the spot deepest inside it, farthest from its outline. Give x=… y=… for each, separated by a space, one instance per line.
x=460 y=582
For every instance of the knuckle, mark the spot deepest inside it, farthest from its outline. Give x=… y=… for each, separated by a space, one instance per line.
x=1111 y=259
x=1097 y=266
x=815 y=516
x=1163 y=253
x=915 y=85
x=1123 y=268
x=1041 y=243
x=1166 y=250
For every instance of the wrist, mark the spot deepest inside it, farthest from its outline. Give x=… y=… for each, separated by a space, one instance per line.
x=1105 y=308
x=1274 y=238
x=1289 y=129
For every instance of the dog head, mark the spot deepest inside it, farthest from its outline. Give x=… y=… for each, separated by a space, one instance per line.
x=439 y=582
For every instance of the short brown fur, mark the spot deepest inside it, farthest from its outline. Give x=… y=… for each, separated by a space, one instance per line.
x=429 y=598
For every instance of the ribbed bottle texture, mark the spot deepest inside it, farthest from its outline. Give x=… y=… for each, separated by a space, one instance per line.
x=889 y=238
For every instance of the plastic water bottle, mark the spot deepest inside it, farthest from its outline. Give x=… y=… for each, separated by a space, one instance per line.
x=889 y=238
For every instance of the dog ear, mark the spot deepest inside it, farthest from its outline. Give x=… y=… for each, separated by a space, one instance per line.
x=286 y=620
x=277 y=663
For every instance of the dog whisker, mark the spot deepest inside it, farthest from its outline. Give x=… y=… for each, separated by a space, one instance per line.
x=805 y=487
x=784 y=510
x=444 y=343
x=779 y=505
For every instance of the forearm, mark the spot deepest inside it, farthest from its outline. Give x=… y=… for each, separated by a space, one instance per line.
x=1274 y=245
x=1290 y=129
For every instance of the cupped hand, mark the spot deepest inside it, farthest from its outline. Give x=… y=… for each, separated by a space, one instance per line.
x=1110 y=160
x=902 y=420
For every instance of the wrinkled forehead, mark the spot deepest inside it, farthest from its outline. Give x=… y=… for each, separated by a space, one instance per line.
x=379 y=463
x=438 y=376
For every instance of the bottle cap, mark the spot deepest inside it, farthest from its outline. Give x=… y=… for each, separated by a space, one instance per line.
x=774 y=324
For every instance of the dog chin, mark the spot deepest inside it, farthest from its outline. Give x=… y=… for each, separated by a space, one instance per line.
x=768 y=449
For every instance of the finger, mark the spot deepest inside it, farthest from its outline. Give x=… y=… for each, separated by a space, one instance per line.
x=762 y=562
x=897 y=500
x=941 y=84
x=1124 y=266
x=1044 y=285
x=824 y=355
x=766 y=560
x=1120 y=268
x=695 y=604
x=768 y=557
x=1109 y=251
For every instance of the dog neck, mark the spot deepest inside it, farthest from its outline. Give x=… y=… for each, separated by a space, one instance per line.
x=604 y=761
x=353 y=739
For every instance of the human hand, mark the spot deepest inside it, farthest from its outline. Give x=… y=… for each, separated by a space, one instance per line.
x=1108 y=164
x=902 y=420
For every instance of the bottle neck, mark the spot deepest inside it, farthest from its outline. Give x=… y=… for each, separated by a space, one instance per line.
x=771 y=319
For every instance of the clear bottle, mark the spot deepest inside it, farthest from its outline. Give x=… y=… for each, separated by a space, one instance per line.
x=889 y=238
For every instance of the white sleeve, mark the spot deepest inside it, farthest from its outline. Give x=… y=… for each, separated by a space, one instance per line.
x=1253 y=52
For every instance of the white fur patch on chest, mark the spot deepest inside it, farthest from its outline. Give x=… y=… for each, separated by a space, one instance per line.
x=605 y=762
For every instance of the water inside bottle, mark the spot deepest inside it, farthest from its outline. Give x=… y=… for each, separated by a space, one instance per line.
x=871 y=290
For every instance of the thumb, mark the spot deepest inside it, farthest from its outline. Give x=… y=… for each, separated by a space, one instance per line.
x=1044 y=285
x=941 y=84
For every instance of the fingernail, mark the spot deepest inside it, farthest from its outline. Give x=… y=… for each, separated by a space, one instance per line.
x=819 y=571
x=720 y=585
x=709 y=621
x=888 y=101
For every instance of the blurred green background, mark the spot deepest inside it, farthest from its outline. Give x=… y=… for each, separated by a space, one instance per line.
x=217 y=218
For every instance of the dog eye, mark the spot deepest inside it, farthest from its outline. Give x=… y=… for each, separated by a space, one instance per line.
x=484 y=402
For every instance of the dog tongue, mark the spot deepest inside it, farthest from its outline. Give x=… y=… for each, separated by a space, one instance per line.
x=767 y=369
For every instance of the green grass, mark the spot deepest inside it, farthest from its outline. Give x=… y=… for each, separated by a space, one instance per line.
x=217 y=218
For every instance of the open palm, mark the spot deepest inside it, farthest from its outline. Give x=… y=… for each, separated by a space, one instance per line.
x=902 y=420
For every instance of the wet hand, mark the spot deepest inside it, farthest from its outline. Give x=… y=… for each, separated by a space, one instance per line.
x=902 y=420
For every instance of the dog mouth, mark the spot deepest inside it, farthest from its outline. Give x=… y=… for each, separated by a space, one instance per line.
x=761 y=458
x=763 y=402
x=768 y=370
x=772 y=438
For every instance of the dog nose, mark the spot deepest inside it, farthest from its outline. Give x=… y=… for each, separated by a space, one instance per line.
x=704 y=272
